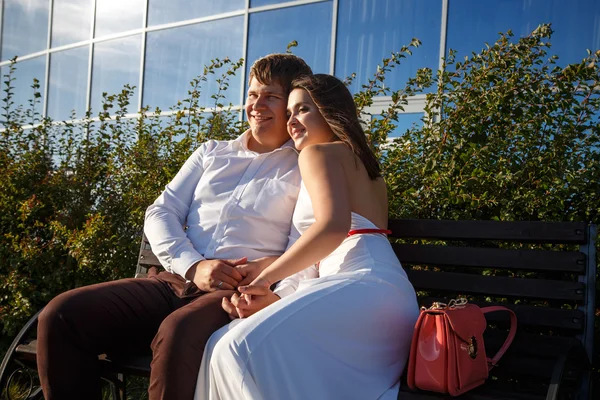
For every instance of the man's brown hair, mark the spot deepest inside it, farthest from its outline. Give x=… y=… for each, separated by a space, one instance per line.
x=281 y=68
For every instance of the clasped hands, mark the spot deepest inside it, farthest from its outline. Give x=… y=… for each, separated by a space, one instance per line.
x=252 y=298
x=255 y=293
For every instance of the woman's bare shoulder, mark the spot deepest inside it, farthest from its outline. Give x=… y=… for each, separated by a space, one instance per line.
x=336 y=149
x=326 y=151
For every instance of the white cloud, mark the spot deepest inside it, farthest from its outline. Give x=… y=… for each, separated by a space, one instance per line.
x=114 y=16
x=71 y=21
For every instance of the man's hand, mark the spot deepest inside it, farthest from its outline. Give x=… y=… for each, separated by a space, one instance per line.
x=211 y=275
x=252 y=269
x=230 y=308
x=238 y=306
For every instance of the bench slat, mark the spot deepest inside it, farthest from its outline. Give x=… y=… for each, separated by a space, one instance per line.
x=522 y=231
x=490 y=391
x=138 y=365
x=405 y=395
x=542 y=260
x=523 y=366
x=27 y=348
x=527 y=315
x=526 y=344
x=135 y=365
x=147 y=258
x=496 y=285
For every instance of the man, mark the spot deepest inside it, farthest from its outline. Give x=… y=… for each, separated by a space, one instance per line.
x=235 y=199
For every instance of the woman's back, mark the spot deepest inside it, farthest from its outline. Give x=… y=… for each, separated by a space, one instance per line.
x=368 y=197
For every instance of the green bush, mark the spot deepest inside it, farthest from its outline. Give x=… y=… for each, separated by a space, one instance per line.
x=507 y=135
x=74 y=194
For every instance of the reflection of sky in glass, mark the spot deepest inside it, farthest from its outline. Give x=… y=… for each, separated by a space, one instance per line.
x=309 y=25
x=24 y=74
x=368 y=31
x=68 y=83
x=165 y=11
x=157 y=126
x=114 y=16
x=175 y=56
x=576 y=24
x=259 y=3
x=20 y=16
x=404 y=123
x=71 y=21
x=169 y=121
x=116 y=63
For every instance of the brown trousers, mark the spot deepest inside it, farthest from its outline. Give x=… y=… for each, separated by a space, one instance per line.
x=161 y=313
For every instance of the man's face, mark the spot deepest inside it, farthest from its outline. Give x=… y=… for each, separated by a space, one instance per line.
x=266 y=112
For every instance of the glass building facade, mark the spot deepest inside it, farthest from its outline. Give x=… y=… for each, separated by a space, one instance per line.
x=79 y=49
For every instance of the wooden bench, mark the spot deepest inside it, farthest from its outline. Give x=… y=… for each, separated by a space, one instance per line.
x=544 y=271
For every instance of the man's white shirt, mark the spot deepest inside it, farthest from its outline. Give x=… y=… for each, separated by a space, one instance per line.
x=235 y=203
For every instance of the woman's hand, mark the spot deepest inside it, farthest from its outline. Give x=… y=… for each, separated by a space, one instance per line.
x=254 y=298
x=259 y=281
x=251 y=270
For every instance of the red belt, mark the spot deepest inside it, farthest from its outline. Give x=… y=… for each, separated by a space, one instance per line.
x=360 y=231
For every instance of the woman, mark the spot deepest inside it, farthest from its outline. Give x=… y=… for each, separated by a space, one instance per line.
x=343 y=327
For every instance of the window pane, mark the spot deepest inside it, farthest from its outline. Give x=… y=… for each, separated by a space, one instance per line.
x=166 y=125
x=576 y=24
x=116 y=63
x=22 y=90
x=369 y=31
x=165 y=11
x=68 y=83
x=404 y=123
x=175 y=56
x=114 y=16
x=71 y=21
x=309 y=25
x=259 y=3
x=21 y=16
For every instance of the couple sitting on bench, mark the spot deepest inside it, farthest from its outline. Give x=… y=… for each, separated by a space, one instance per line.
x=308 y=212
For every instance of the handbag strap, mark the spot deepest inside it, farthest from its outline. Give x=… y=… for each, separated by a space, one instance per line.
x=511 y=333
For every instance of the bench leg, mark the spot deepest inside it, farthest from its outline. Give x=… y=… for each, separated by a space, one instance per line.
x=123 y=387
x=18 y=377
x=117 y=384
x=20 y=384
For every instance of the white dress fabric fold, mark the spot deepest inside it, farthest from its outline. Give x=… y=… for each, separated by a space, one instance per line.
x=343 y=335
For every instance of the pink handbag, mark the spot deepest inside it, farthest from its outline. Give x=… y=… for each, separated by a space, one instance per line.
x=447 y=354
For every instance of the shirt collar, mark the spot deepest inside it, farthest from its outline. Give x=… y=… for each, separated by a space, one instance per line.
x=244 y=138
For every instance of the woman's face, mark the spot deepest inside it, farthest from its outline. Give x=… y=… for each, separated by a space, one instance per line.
x=305 y=123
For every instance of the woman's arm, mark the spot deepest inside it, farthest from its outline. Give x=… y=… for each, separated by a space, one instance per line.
x=323 y=175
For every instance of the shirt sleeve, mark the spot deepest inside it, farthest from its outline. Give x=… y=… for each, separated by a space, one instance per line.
x=166 y=218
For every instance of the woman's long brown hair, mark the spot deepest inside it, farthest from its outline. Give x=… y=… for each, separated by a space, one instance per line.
x=337 y=107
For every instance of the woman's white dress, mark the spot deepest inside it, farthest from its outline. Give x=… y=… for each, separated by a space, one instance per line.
x=343 y=333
